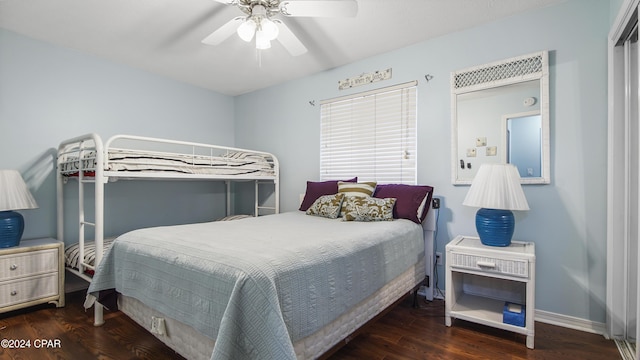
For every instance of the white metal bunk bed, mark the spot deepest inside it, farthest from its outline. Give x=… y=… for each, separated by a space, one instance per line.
x=94 y=163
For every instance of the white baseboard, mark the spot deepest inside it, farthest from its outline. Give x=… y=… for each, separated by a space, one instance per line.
x=570 y=322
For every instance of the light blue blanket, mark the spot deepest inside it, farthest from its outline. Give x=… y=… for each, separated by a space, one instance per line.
x=257 y=285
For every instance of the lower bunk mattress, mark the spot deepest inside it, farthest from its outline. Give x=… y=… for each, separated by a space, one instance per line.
x=257 y=286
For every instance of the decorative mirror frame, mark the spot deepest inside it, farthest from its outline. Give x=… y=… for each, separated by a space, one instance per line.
x=496 y=74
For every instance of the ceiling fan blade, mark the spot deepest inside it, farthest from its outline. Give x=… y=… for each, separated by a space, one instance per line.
x=290 y=42
x=320 y=8
x=224 y=32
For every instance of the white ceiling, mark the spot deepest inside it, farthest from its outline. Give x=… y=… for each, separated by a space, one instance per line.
x=164 y=36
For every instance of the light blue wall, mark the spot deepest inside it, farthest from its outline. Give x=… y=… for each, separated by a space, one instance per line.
x=614 y=7
x=567 y=220
x=49 y=93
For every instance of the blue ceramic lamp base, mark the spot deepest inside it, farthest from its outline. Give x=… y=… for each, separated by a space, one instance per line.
x=495 y=227
x=11 y=228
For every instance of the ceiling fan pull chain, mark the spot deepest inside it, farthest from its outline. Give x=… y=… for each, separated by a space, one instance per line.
x=259 y=56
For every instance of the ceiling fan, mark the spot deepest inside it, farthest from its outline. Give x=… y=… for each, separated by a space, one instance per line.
x=259 y=22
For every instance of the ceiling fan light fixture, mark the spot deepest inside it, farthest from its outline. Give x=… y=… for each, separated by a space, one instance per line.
x=259 y=21
x=247 y=29
x=269 y=29
x=262 y=41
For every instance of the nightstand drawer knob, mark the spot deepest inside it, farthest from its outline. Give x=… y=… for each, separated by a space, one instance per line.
x=14 y=293
x=13 y=267
x=486 y=264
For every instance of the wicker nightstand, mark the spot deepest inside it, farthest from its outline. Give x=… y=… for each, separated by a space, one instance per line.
x=481 y=279
x=31 y=273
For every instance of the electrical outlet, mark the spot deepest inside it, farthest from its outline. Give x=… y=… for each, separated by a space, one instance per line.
x=435 y=203
x=157 y=326
x=439 y=258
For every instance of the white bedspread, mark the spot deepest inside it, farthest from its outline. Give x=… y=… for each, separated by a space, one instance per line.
x=256 y=285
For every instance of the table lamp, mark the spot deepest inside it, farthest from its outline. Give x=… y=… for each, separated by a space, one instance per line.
x=14 y=195
x=496 y=190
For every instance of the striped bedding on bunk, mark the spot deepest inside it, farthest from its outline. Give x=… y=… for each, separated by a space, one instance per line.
x=72 y=254
x=229 y=164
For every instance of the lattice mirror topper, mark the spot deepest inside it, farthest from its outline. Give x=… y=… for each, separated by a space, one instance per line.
x=486 y=101
x=513 y=69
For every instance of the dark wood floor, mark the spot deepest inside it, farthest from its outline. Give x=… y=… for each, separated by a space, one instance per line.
x=403 y=333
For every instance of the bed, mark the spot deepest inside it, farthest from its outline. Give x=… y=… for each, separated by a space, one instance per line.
x=86 y=162
x=293 y=293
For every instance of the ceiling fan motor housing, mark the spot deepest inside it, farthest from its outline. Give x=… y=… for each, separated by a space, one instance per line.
x=252 y=7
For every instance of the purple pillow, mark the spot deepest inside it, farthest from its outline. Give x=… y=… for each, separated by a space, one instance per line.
x=315 y=189
x=409 y=198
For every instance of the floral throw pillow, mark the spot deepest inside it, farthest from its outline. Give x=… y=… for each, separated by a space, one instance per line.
x=368 y=209
x=326 y=206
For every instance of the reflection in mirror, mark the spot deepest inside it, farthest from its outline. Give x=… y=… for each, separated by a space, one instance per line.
x=500 y=113
x=480 y=115
x=524 y=143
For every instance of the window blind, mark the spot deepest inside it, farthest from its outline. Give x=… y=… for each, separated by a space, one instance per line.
x=370 y=135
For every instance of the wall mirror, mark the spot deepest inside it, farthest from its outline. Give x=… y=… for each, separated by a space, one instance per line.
x=500 y=113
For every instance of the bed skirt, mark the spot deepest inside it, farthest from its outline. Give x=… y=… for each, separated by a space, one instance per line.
x=191 y=344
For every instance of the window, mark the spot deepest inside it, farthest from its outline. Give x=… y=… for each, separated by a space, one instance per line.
x=370 y=135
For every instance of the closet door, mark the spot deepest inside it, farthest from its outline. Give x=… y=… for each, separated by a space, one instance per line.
x=623 y=189
x=633 y=165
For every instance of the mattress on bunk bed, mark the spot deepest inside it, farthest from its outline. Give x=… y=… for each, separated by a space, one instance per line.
x=257 y=285
x=232 y=163
x=72 y=254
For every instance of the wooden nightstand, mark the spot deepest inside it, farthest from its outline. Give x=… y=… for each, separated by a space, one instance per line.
x=31 y=273
x=481 y=279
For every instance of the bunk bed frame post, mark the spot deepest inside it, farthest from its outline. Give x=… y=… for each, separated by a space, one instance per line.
x=276 y=183
x=99 y=181
x=227 y=184
x=256 y=205
x=59 y=199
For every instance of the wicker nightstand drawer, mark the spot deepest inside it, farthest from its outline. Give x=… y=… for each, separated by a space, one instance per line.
x=19 y=291
x=518 y=268
x=30 y=263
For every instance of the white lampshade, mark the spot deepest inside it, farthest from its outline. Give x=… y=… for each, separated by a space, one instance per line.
x=497 y=186
x=14 y=194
